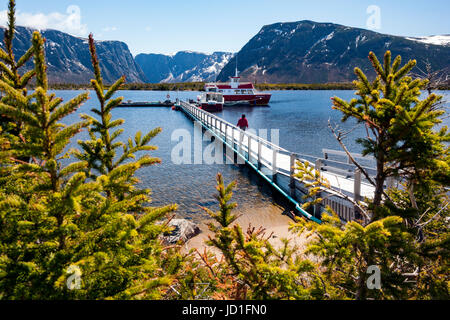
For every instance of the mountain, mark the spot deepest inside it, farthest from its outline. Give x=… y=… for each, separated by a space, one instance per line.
x=207 y=70
x=310 y=52
x=302 y=52
x=185 y=66
x=68 y=58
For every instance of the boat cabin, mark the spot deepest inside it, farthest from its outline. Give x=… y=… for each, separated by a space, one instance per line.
x=211 y=101
x=212 y=97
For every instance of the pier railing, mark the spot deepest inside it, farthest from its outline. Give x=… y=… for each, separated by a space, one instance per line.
x=278 y=165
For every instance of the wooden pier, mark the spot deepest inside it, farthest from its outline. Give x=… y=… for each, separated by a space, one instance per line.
x=277 y=166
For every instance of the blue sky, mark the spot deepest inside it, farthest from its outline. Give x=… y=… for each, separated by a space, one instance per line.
x=169 y=26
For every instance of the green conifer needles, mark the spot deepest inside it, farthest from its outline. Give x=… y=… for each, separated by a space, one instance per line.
x=399 y=124
x=408 y=224
x=68 y=229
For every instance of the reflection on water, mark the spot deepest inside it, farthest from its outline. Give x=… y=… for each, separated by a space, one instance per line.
x=301 y=116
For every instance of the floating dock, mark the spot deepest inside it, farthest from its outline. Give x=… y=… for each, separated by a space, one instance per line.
x=131 y=104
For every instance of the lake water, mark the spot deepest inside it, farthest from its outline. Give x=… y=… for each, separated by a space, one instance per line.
x=300 y=116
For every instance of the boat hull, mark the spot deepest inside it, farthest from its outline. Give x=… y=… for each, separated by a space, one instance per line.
x=254 y=100
x=218 y=107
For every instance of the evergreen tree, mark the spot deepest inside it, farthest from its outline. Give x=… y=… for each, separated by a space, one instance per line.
x=125 y=203
x=407 y=232
x=399 y=125
x=8 y=65
x=102 y=151
x=10 y=73
x=63 y=234
x=252 y=267
x=37 y=223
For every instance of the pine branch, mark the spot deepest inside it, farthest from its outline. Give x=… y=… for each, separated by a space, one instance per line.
x=68 y=108
x=26 y=57
x=95 y=64
x=39 y=61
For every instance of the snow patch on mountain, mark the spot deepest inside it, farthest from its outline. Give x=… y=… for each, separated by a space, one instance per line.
x=441 y=40
x=168 y=79
x=359 y=40
x=330 y=36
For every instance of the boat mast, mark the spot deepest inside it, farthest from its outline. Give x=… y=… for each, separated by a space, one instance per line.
x=235 y=80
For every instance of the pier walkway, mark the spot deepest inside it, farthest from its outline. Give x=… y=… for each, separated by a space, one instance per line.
x=277 y=166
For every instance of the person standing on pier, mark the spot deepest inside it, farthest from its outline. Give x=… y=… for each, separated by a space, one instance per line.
x=243 y=123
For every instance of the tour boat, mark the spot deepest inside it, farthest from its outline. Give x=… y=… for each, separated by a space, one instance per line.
x=237 y=93
x=211 y=101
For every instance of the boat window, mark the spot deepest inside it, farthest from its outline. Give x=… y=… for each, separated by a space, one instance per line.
x=237 y=91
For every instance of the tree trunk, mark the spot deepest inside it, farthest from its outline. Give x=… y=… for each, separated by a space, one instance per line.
x=361 y=293
x=379 y=184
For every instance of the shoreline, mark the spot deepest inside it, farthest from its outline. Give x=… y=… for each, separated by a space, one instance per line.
x=262 y=88
x=272 y=219
x=199 y=86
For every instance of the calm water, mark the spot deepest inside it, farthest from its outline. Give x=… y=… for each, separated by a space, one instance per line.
x=301 y=116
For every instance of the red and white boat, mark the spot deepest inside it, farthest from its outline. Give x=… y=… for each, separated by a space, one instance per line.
x=237 y=93
x=211 y=102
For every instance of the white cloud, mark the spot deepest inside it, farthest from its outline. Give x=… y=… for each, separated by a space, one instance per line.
x=110 y=29
x=69 y=22
x=148 y=29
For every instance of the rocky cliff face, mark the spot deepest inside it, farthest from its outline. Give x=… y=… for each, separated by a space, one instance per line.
x=69 y=61
x=310 y=52
x=185 y=66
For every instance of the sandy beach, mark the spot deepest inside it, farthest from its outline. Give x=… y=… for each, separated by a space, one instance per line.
x=271 y=218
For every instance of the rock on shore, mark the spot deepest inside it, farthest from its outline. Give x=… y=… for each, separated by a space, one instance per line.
x=183 y=231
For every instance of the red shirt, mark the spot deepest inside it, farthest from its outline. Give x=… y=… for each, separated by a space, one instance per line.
x=243 y=123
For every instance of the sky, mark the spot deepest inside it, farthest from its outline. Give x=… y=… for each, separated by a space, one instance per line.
x=169 y=26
